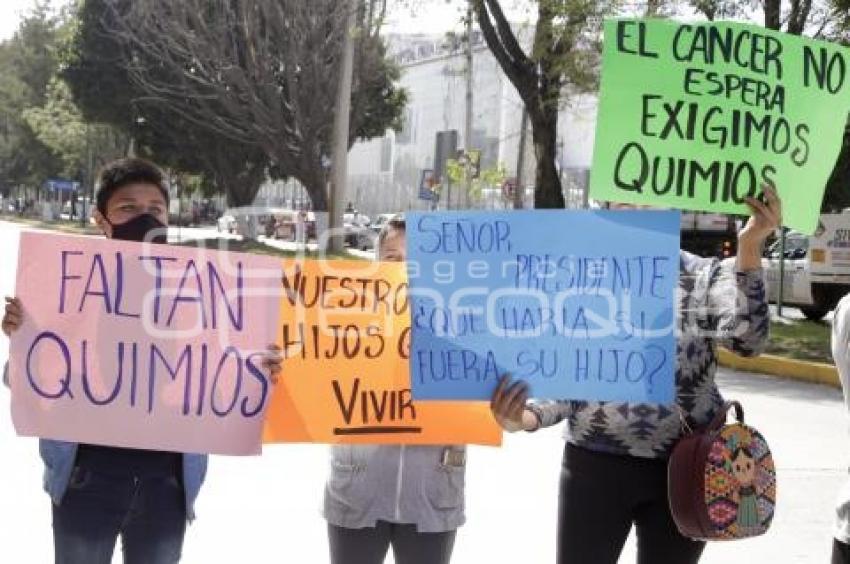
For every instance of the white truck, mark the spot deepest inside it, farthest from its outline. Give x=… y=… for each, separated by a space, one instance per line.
x=817 y=267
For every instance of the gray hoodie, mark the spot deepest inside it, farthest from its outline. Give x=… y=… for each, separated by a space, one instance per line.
x=420 y=485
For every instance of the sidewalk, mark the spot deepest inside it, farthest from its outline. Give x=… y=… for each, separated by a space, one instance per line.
x=266 y=510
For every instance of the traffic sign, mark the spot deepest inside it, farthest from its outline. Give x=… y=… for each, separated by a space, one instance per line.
x=429 y=185
x=62 y=185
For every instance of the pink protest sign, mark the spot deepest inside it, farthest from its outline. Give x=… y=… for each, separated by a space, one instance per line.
x=142 y=345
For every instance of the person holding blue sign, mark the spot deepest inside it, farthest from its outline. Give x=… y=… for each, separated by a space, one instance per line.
x=614 y=472
x=409 y=497
x=99 y=493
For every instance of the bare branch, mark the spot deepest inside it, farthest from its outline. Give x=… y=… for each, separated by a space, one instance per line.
x=520 y=70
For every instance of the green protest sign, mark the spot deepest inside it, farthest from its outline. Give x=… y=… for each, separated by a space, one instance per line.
x=700 y=115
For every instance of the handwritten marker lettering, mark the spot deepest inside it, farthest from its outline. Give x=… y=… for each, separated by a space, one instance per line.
x=731 y=108
x=143 y=347
x=578 y=304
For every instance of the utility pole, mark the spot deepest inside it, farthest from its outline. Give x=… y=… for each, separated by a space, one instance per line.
x=339 y=163
x=467 y=133
x=780 y=297
x=87 y=180
x=519 y=191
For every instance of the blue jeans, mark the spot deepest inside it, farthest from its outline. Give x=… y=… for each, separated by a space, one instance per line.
x=149 y=514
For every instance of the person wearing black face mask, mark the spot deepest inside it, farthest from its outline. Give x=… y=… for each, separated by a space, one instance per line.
x=100 y=493
x=143 y=227
x=132 y=202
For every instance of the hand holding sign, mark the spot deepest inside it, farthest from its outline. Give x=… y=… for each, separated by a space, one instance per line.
x=508 y=405
x=273 y=362
x=765 y=216
x=13 y=316
x=765 y=219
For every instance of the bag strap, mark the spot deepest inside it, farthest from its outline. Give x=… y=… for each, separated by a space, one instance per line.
x=720 y=417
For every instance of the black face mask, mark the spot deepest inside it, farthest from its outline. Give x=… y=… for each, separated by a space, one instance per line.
x=138 y=228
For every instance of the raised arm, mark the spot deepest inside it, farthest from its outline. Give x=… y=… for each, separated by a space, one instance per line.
x=736 y=292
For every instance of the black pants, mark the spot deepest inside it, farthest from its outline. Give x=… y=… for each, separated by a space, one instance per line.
x=840 y=552
x=370 y=545
x=601 y=497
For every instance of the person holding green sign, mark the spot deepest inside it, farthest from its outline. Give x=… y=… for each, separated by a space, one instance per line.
x=614 y=472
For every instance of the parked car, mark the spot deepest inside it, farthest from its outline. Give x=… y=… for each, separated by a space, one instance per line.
x=709 y=234
x=279 y=223
x=310 y=226
x=183 y=219
x=227 y=222
x=817 y=267
x=357 y=232
x=283 y=224
x=381 y=221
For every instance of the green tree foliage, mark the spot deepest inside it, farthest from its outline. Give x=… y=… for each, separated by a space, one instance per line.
x=60 y=126
x=95 y=60
x=263 y=73
x=492 y=177
x=216 y=98
x=27 y=63
x=563 y=57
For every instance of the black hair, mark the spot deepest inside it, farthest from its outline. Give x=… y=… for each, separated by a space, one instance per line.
x=395 y=223
x=126 y=171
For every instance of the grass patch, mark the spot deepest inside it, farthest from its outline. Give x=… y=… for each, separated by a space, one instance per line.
x=802 y=340
x=63 y=225
x=234 y=245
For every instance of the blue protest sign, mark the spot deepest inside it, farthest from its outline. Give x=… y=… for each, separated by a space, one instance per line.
x=580 y=304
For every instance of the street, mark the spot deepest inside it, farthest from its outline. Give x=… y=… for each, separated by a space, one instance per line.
x=266 y=509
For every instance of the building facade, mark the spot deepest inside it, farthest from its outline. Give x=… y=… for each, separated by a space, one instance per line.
x=385 y=173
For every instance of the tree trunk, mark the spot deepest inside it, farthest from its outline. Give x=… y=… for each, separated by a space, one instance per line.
x=241 y=192
x=236 y=198
x=773 y=14
x=341 y=134
x=243 y=195
x=547 y=185
x=653 y=8
x=317 y=189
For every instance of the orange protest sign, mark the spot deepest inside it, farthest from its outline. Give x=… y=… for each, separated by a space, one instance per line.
x=344 y=331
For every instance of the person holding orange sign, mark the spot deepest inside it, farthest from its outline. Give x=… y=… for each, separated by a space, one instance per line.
x=409 y=497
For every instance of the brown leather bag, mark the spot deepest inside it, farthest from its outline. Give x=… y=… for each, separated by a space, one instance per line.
x=722 y=480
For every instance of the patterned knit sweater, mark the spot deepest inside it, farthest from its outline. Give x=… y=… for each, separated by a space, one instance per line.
x=716 y=306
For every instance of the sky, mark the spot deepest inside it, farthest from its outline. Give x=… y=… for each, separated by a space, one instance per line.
x=429 y=16
x=10 y=15
x=438 y=16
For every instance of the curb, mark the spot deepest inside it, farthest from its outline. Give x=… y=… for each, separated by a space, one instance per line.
x=804 y=371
